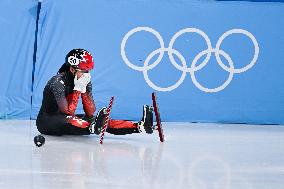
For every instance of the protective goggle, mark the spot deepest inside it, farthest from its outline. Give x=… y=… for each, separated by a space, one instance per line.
x=82 y=71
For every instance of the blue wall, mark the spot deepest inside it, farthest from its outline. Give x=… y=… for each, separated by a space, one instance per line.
x=17 y=34
x=254 y=94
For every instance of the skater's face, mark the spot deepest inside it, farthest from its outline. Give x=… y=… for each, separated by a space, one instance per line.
x=77 y=72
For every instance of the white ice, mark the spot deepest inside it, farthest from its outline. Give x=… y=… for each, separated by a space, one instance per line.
x=194 y=156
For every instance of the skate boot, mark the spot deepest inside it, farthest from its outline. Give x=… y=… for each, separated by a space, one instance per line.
x=146 y=124
x=98 y=123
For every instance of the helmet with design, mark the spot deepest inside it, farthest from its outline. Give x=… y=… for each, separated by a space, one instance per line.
x=80 y=59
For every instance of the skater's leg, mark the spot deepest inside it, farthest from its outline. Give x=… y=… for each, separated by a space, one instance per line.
x=122 y=127
x=50 y=125
x=117 y=127
x=61 y=124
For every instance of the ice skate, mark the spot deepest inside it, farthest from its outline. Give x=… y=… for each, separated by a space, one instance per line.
x=146 y=123
x=98 y=123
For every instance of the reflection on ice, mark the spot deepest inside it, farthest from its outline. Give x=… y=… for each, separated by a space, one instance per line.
x=195 y=156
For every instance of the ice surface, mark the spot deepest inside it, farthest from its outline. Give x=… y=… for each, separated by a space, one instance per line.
x=194 y=156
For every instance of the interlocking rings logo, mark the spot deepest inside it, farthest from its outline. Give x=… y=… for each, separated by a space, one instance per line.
x=184 y=69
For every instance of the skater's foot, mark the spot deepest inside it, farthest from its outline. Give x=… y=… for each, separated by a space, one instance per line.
x=98 y=123
x=146 y=124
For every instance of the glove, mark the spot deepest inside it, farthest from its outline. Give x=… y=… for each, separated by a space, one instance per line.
x=88 y=79
x=81 y=83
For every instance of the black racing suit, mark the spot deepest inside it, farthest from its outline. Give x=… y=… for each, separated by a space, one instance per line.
x=57 y=113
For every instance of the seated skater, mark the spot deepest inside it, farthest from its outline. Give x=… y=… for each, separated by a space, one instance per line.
x=60 y=99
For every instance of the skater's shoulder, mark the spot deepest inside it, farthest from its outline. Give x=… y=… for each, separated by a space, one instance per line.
x=58 y=78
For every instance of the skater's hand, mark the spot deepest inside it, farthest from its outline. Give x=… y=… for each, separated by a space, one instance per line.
x=88 y=79
x=81 y=83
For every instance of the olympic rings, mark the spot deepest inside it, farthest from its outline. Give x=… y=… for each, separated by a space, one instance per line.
x=193 y=68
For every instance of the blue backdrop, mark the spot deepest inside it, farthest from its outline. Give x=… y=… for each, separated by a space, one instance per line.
x=245 y=85
x=17 y=34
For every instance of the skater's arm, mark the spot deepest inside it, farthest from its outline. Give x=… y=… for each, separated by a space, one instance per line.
x=72 y=100
x=88 y=102
x=67 y=106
